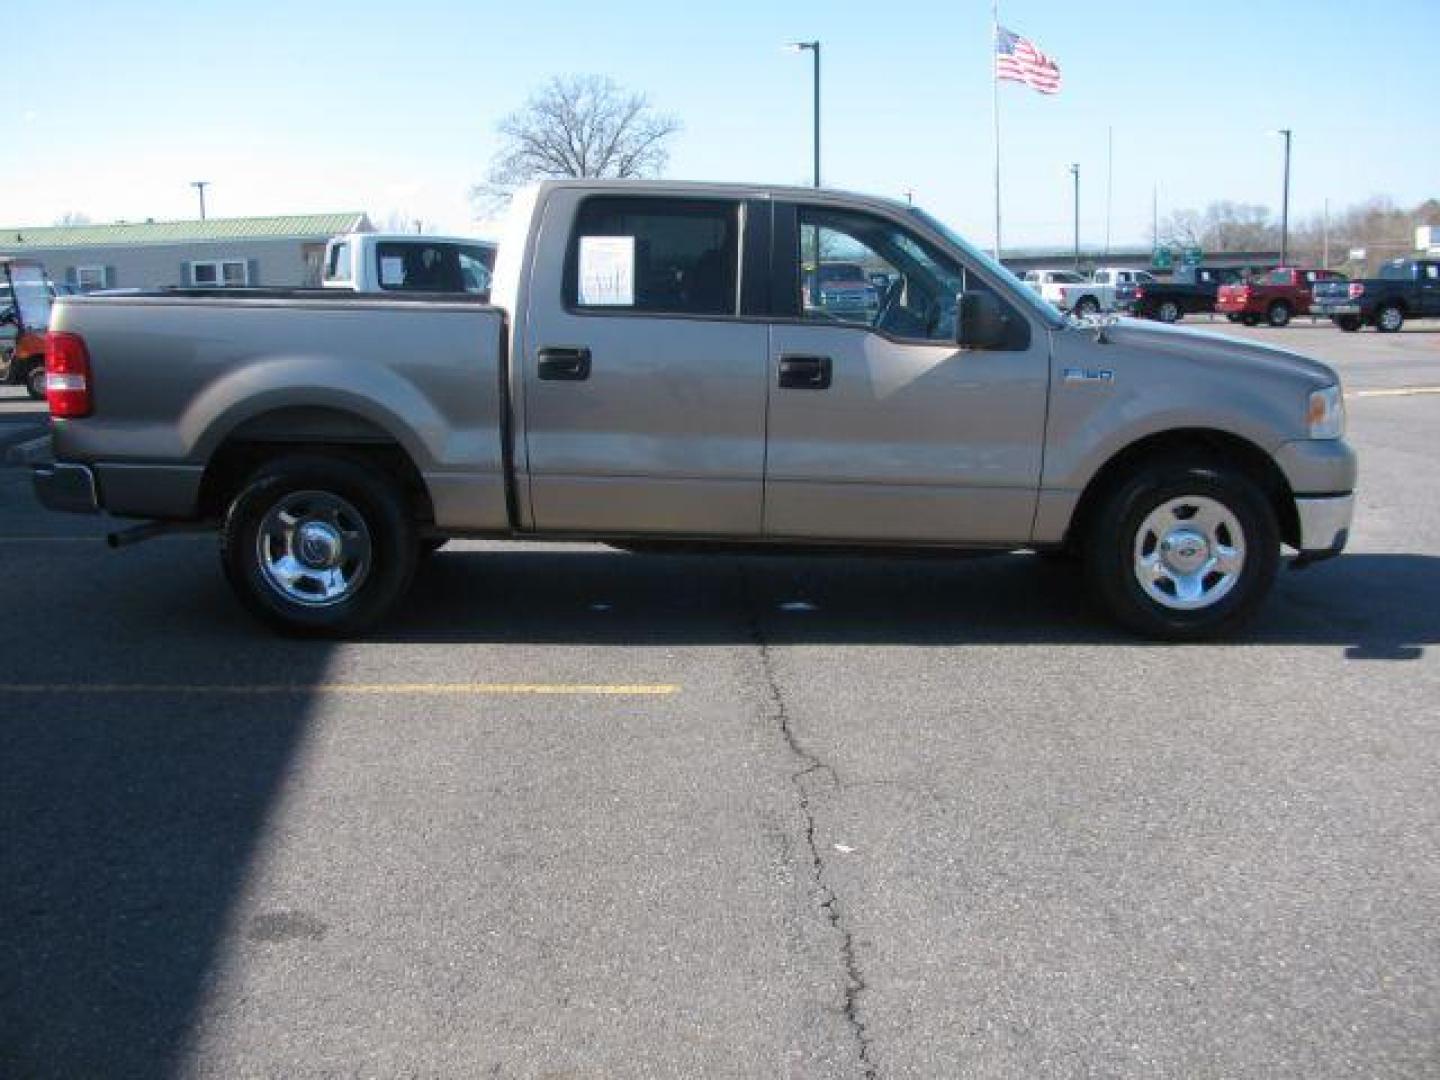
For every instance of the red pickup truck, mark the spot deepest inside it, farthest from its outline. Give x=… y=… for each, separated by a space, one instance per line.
x=1274 y=297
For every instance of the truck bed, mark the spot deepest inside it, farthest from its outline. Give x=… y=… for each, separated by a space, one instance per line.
x=180 y=374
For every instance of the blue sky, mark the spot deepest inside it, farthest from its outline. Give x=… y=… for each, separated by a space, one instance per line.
x=297 y=107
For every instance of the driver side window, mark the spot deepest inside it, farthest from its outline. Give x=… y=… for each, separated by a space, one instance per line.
x=869 y=272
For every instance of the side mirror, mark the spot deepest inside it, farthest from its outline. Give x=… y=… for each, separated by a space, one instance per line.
x=981 y=322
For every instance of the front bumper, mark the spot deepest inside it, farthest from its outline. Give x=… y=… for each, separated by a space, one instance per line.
x=1324 y=524
x=69 y=488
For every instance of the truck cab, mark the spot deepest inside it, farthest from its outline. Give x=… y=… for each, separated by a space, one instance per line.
x=408 y=262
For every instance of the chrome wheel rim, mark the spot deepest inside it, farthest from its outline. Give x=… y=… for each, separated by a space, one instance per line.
x=313 y=548
x=1168 y=311
x=1390 y=318
x=1189 y=553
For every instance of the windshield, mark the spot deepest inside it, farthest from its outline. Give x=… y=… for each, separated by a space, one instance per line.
x=31 y=295
x=1013 y=288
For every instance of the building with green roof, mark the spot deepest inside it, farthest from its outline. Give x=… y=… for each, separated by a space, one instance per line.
x=279 y=252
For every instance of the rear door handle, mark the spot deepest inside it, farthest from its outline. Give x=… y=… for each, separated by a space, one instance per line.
x=564 y=364
x=805 y=372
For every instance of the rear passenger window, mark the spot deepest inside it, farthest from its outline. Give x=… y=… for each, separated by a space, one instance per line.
x=657 y=256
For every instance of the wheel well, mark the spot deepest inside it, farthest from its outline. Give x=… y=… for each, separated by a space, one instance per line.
x=1390 y=301
x=326 y=432
x=1280 y=302
x=1219 y=447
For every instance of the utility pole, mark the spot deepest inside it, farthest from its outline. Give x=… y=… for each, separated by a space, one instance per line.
x=1155 y=217
x=1109 y=181
x=813 y=47
x=910 y=196
x=1325 y=234
x=1285 y=205
x=1075 y=172
x=200 y=186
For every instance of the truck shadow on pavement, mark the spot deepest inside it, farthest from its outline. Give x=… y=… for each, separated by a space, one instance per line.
x=1377 y=606
x=131 y=823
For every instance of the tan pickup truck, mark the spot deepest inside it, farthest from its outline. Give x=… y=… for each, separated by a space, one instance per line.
x=651 y=370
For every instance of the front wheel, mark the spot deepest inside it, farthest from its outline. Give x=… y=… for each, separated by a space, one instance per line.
x=1087 y=307
x=1389 y=319
x=319 y=546
x=1183 y=551
x=1348 y=323
x=1168 y=311
x=35 y=382
x=1279 y=314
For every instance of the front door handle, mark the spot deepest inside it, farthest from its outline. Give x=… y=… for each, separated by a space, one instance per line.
x=805 y=372
x=564 y=364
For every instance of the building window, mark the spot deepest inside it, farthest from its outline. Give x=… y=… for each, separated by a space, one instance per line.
x=88 y=278
x=218 y=273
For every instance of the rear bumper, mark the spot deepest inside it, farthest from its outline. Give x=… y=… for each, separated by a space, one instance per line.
x=1324 y=524
x=1235 y=307
x=68 y=488
x=1330 y=310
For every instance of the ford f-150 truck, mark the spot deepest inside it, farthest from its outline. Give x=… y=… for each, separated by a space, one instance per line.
x=648 y=374
x=1274 y=297
x=1405 y=289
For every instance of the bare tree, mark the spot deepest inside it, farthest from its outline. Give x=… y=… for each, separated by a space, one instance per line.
x=1222 y=226
x=583 y=125
x=73 y=217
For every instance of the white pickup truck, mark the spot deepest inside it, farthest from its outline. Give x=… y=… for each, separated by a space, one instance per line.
x=408 y=262
x=1081 y=296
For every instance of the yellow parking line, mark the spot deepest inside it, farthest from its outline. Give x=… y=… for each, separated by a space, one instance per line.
x=1400 y=391
x=373 y=689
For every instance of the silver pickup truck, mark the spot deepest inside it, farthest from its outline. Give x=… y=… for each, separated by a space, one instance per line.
x=652 y=370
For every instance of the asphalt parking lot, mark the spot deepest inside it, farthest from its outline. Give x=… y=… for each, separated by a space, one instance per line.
x=584 y=814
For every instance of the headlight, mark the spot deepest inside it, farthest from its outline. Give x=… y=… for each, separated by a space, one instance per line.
x=1326 y=413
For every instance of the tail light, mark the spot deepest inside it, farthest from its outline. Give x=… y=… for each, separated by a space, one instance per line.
x=1357 y=290
x=67 y=375
x=1139 y=292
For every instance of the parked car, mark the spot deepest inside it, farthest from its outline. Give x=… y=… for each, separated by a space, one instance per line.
x=1083 y=296
x=647 y=378
x=1192 y=290
x=408 y=262
x=1405 y=289
x=841 y=289
x=25 y=302
x=1275 y=297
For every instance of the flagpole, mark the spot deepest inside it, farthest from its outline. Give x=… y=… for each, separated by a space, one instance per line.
x=995 y=111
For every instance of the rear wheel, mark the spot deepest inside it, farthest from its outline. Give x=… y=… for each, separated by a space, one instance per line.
x=1086 y=307
x=1389 y=319
x=1168 y=311
x=35 y=381
x=1250 y=320
x=1279 y=313
x=1183 y=550
x=1348 y=323
x=319 y=546
x=1232 y=317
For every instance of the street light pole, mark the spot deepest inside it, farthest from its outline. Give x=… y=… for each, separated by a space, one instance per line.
x=200 y=186
x=1075 y=172
x=1285 y=205
x=814 y=47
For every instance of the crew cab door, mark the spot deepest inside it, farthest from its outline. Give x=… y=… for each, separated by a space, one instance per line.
x=1428 y=275
x=881 y=428
x=644 y=391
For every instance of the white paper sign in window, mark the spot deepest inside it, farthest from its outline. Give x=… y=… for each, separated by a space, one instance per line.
x=607 y=271
x=392 y=270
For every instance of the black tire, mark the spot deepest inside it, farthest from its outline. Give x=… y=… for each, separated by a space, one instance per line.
x=1114 y=534
x=1168 y=311
x=378 y=504
x=1348 y=323
x=35 y=382
x=1279 y=314
x=1389 y=318
x=429 y=545
x=1250 y=320
x=1086 y=306
x=1232 y=317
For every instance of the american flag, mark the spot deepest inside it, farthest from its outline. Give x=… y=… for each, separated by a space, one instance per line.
x=1017 y=58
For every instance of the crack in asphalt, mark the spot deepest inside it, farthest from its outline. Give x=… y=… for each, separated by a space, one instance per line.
x=813 y=770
